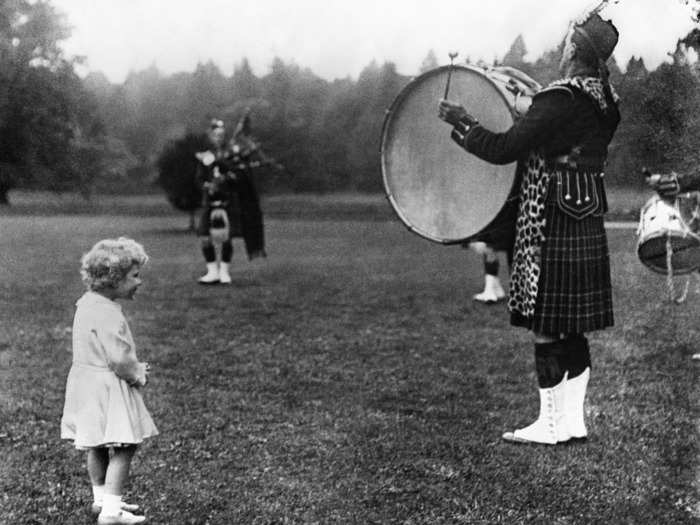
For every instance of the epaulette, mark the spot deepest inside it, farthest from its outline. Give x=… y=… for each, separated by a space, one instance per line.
x=555 y=89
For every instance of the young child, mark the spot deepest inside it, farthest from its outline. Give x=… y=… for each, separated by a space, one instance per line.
x=104 y=411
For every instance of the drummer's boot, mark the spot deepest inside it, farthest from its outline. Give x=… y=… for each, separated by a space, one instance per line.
x=550 y=426
x=578 y=359
x=493 y=291
x=212 y=275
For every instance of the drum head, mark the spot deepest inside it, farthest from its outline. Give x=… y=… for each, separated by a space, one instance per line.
x=685 y=258
x=439 y=190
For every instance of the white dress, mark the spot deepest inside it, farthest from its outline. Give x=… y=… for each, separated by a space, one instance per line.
x=103 y=405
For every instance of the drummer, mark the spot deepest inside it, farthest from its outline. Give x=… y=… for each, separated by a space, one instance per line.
x=669 y=185
x=493 y=289
x=489 y=246
x=560 y=280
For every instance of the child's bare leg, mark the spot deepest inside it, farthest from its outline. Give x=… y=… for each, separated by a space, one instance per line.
x=118 y=469
x=97 y=462
x=114 y=509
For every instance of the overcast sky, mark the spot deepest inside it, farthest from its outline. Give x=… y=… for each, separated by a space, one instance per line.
x=337 y=38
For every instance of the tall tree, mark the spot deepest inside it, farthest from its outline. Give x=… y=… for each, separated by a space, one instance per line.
x=515 y=56
x=429 y=62
x=177 y=169
x=245 y=86
x=47 y=124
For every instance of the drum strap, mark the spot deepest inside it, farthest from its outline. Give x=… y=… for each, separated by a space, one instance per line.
x=669 y=276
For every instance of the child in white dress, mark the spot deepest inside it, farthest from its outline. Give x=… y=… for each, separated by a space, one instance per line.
x=104 y=410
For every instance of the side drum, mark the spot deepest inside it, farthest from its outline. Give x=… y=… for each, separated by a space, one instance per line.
x=674 y=227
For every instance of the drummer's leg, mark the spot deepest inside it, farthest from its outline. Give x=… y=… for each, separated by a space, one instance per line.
x=577 y=358
x=696 y=356
x=493 y=289
x=209 y=252
x=550 y=426
x=226 y=256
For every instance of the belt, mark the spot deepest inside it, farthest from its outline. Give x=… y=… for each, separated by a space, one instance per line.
x=97 y=368
x=578 y=162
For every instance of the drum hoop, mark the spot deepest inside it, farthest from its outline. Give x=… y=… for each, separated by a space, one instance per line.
x=391 y=110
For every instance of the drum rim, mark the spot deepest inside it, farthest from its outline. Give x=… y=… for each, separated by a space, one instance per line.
x=391 y=110
x=675 y=234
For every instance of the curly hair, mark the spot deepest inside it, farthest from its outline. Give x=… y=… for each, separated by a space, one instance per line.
x=108 y=262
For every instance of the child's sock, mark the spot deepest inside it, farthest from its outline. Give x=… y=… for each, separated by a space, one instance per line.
x=98 y=492
x=111 y=504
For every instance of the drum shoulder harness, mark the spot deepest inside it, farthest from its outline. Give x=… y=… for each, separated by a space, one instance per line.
x=550 y=90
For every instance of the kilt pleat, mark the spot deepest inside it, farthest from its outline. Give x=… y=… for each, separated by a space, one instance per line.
x=574 y=289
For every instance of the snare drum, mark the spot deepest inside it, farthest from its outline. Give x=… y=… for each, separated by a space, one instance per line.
x=437 y=189
x=676 y=224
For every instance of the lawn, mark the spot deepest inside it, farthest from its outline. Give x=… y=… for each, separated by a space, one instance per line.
x=348 y=378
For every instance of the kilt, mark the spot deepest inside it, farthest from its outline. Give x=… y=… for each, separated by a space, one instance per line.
x=574 y=289
x=234 y=220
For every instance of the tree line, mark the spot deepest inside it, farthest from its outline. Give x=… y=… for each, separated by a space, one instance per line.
x=62 y=132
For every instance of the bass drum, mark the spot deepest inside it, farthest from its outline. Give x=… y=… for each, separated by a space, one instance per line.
x=437 y=189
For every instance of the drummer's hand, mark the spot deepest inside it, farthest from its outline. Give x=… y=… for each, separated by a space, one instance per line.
x=453 y=113
x=665 y=184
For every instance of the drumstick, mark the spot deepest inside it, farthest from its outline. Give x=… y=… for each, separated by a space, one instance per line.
x=452 y=55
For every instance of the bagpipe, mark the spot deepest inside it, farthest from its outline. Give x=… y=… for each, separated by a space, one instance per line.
x=229 y=194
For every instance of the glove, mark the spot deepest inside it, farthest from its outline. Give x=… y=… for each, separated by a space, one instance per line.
x=665 y=184
x=454 y=113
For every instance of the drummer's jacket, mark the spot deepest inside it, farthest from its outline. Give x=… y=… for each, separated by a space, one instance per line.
x=689 y=181
x=570 y=130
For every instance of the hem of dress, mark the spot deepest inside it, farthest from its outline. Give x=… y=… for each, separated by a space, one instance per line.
x=108 y=444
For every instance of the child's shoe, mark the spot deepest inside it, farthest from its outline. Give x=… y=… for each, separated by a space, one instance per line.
x=124 y=517
x=96 y=508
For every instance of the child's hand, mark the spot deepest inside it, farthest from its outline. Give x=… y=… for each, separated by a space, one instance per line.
x=146 y=370
x=143 y=376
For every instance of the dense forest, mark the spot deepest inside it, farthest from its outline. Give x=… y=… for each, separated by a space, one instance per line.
x=61 y=132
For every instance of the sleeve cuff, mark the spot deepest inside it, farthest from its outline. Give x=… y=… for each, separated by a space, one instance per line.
x=461 y=131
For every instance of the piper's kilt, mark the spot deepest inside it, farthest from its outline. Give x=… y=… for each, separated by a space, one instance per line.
x=234 y=220
x=574 y=290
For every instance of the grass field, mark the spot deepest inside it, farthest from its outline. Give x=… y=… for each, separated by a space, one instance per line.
x=348 y=378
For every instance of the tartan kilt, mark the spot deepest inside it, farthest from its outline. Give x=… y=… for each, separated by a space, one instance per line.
x=574 y=289
x=234 y=219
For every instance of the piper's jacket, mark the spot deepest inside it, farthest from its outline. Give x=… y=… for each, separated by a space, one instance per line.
x=235 y=187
